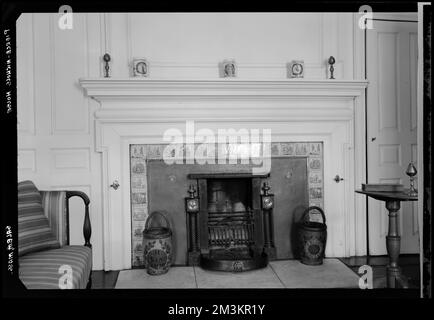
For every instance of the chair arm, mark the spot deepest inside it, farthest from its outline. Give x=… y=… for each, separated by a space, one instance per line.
x=87 y=229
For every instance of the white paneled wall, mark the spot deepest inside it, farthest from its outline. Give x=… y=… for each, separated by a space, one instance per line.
x=190 y=45
x=56 y=129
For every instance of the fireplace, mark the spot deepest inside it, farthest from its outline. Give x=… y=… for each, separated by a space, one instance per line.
x=230 y=222
x=230 y=216
x=138 y=111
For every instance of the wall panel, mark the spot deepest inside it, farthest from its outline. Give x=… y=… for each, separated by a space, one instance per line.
x=69 y=108
x=25 y=72
x=190 y=45
x=387 y=43
x=64 y=159
x=27 y=160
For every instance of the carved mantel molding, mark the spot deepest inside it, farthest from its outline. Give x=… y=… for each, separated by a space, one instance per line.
x=138 y=88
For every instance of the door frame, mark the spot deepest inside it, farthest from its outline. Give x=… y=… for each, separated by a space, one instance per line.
x=424 y=281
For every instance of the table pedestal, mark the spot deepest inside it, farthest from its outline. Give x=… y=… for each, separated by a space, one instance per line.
x=393 y=245
x=393 y=240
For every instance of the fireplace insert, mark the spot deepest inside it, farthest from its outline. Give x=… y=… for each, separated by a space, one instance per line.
x=230 y=221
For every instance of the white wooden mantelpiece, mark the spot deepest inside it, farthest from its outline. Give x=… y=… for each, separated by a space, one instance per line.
x=138 y=111
x=132 y=88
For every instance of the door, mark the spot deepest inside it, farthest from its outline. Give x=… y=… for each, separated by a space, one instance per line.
x=391 y=65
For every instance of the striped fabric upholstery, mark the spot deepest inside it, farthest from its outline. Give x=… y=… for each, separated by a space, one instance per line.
x=40 y=270
x=54 y=204
x=34 y=231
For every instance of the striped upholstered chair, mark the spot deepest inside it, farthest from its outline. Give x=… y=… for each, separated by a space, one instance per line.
x=46 y=260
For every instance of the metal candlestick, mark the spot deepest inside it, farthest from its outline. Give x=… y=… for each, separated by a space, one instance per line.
x=266 y=188
x=411 y=172
x=332 y=61
x=106 y=59
x=192 y=191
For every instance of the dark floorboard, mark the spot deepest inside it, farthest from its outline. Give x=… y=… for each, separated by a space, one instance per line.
x=104 y=279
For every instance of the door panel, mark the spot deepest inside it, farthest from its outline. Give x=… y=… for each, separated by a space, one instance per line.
x=391 y=125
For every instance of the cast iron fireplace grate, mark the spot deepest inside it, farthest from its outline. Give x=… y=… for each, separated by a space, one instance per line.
x=226 y=227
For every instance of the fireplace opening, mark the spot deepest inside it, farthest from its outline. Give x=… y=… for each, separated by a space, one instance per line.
x=230 y=219
x=229 y=195
x=227 y=231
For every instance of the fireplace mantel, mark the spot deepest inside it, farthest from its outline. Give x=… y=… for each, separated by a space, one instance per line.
x=145 y=100
x=103 y=89
x=137 y=111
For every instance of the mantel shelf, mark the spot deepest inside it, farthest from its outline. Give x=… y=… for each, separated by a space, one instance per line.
x=143 y=88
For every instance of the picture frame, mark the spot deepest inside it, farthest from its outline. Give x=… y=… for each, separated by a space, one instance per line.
x=140 y=67
x=228 y=69
x=296 y=69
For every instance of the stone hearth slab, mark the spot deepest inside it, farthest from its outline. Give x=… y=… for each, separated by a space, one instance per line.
x=261 y=278
x=175 y=278
x=331 y=274
x=278 y=274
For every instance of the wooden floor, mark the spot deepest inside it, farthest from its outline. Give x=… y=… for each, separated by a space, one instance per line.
x=408 y=263
x=104 y=279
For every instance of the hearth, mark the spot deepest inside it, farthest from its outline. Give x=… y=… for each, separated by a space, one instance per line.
x=230 y=221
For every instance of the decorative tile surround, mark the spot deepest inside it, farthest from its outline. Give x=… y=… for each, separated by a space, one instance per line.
x=139 y=153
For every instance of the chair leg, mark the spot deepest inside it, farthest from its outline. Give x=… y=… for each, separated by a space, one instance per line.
x=89 y=283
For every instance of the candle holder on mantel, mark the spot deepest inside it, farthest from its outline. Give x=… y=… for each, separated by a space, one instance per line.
x=411 y=172
x=331 y=62
x=106 y=59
